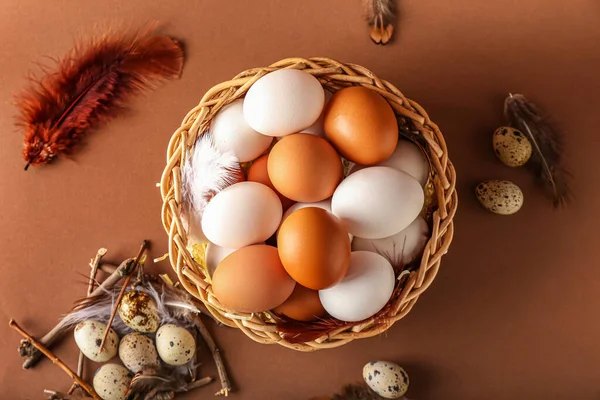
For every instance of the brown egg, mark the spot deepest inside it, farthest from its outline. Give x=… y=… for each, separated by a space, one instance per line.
x=305 y=167
x=252 y=279
x=303 y=305
x=314 y=248
x=258 y=173
x=361 y=125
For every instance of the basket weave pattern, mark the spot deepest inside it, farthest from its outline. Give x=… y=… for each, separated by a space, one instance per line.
x=333 y=76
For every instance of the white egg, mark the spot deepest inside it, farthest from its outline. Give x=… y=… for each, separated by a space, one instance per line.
x=88 y=336
x=283 y=102
x=364 y=291
x=400 y=249
x=407 y=157
x=138 y=311
x=377 y=202
x=242 y=214
x=175 y=345
x=111 y=382
x=318 y=128
x=137 y=352
x=214 y=255
x=324 y=204
x=231 y=132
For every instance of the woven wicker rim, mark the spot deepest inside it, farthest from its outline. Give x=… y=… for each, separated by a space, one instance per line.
x=333 y=76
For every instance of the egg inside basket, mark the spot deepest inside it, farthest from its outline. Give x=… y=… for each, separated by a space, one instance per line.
x=331 y=208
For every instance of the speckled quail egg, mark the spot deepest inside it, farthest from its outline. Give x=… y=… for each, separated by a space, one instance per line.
x=386 y=379
x=88 y=336
x=511 y=146
x=138 y=311
x=500 y=197
x=175 y=345
x=111 y=382
x=137 y=352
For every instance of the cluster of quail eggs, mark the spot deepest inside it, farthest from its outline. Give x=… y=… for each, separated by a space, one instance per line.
x=503 y=197
x=149 y=345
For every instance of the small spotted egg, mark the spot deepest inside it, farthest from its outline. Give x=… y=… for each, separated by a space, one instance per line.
x=137 y=352
x=175 y=345
x=500 y=197
x=511 y=146
x=138 y=311
x=111 y=382
x=386 y=379
x=88 y=336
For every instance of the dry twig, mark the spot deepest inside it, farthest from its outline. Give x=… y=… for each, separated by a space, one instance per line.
x=33 y=355
x=136 y=263
x=84 y=385
x=216 y=353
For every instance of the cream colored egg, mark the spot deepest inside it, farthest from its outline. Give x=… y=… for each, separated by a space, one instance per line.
x=231 y=133
x=214 y=255
x=138 y=311
x=365 y=290
x=387 y=379
x=377 y=202
x=111 y=382
x=318 y=127
x=400 y=249
x=88 y=336
x=175 y=345
x=511 y=146
x=407 y=157
x=137 y=352
x=500 y=197
x=242 y=214
x=283 y=102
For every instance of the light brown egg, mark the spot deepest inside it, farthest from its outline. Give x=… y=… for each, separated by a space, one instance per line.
x=252 y=279
x=258 y=173
x=302 y=305
x=314 y=248
x=305 y=167
x=361 y=125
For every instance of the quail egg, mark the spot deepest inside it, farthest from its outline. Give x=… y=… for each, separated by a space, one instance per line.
x=111 y=382
x=88 y=336
x=511 y=146
x=500 y=197
x=138 y=311
x=386 y=379
x=175 y=345
x=137 y=352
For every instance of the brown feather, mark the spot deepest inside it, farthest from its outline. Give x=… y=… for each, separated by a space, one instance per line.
x=356 y=392
x=547 y=143
x=381 y=17
x=153 y=383
x=90 y=85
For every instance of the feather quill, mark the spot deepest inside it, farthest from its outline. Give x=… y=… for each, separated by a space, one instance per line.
x=547 y=143
x=381 y=17
x=91 y=84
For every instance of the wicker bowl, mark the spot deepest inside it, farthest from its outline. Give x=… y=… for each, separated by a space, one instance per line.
x=412 y=282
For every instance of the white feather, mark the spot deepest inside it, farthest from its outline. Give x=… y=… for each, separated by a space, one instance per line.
x=170 y=310
x=206 y=172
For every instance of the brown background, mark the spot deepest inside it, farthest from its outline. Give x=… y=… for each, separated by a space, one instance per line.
x=513 y=312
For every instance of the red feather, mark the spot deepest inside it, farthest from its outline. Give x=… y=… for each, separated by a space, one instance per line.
x=90 y=86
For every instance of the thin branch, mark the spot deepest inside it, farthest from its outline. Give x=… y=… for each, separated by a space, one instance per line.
x=136 y=262
x=216 y=353
x=94 y=264
x=33 y=355
x=84 y=385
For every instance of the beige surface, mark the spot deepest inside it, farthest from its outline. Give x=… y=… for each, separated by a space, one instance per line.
x=512 y=313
